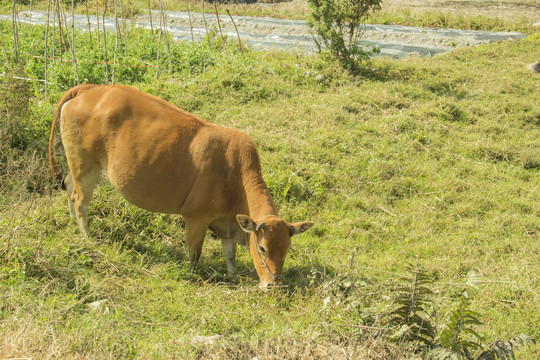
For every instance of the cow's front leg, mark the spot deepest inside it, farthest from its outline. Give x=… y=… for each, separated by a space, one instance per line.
x=195 y=234
x=229 y=249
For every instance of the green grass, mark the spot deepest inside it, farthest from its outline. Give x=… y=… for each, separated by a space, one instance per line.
x=430 y=160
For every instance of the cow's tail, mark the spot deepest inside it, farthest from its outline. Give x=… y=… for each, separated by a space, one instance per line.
x=55 y=168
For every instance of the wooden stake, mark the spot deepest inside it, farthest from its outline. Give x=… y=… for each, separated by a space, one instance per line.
x=164 y=16
x=105 y=46
x=88 y=19
x=54 y=34
x=219 y=24
x=73 y=41
x=159 y=43
x=70 y=43
x=46 y=44
x=124 y=28
x=150 y=13
x=97 y=21
x=60 y=32
x=205 y=25
x=117 y=25
x=190 y=24
x=237 y=34
x=15 y=32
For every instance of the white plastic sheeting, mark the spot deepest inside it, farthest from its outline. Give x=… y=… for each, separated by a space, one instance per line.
x=267 y=33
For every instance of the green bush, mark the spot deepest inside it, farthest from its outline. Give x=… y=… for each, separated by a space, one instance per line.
x=338 y=23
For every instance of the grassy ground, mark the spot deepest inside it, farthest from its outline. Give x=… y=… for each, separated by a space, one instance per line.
x=429 y=161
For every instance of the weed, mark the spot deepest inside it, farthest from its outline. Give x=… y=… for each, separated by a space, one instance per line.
x=411 y=317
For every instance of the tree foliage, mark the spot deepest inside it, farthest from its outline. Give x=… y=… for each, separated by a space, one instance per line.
x=338 y=26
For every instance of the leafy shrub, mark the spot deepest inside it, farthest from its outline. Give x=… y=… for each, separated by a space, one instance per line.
x=338 y=23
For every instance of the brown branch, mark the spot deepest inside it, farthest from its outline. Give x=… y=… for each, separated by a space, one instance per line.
x=237 y=34
x=218 y=22
x=205 y=25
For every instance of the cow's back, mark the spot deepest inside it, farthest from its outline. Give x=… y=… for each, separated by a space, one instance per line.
x=142 y=143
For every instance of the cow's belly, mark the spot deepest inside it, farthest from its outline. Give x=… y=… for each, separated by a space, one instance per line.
x=162 y=189
x=153 y=171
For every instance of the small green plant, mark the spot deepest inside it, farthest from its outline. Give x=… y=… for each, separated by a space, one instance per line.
x=458 y=340
x=460 y=324
x=503 y=350
x=338 y=24
x=413 y=300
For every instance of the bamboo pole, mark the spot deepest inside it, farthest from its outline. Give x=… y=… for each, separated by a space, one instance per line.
x=159 y=46
x=54 y=34
x=97 y=22
x=105 y=46
x=217 y=19
x=237 y=34
x=166 y=34
x=60 y=32
x=124 y=28
x=88 y=19
x=219 y=24
x=159 y=42
x=46 y=45
x=73 y=41
x=205 y=25
x=15 y=32
x=150 y=13
x=190 y=24
x=116 y=25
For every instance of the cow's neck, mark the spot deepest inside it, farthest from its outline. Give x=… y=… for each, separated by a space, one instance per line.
x=258 y=198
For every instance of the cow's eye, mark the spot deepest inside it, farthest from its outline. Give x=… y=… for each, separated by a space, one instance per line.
x=262 y=249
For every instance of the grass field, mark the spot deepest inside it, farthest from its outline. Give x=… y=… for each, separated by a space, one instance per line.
x=428 y=161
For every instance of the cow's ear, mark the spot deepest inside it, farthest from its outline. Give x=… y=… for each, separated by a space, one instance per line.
x=300 y=227
x=246 y=223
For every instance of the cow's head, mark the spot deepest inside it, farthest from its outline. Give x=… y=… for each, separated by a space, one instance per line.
x=269 y=241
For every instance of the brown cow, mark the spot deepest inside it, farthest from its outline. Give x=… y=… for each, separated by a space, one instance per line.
x=164 y=159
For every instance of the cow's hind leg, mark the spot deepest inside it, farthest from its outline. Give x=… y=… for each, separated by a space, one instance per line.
x=84 y=182
x=195 y=234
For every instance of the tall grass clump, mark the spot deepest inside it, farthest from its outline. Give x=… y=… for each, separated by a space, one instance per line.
x=14 y=109
x=21 y=136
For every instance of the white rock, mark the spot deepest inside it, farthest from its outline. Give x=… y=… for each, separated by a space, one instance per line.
x=100 y=305
x=201 y=339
